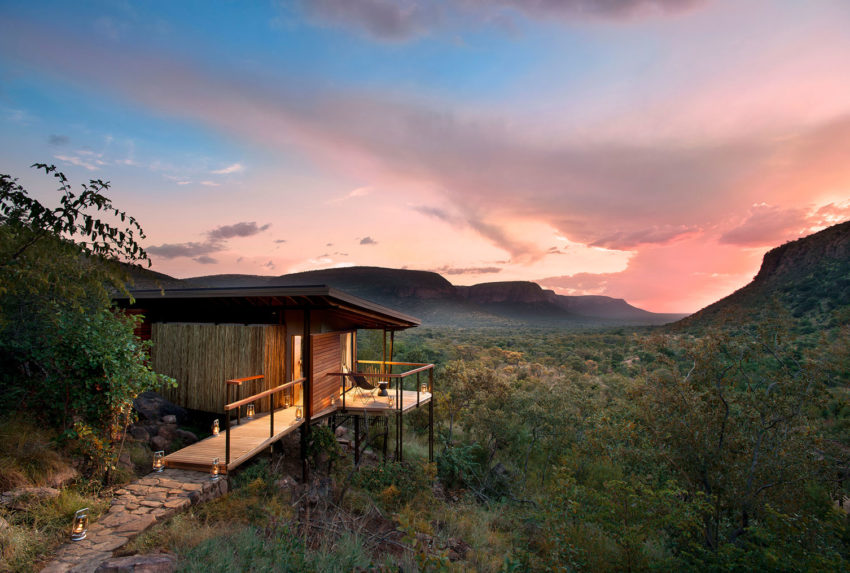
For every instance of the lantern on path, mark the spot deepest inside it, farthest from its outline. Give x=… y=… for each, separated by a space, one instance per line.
x=159 y=461
x=80 y=524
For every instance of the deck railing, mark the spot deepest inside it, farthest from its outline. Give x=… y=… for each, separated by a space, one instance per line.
x=382 y=372
x=228 y=408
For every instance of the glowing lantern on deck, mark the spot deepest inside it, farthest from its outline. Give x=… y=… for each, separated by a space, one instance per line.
x=80 y=524
x=215 y=429
x=250 y=412
x=299 y=413
x=214 y=475
x=423 y=387
x=158 y=461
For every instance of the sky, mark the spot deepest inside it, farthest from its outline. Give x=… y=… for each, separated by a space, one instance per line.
x=651 y=150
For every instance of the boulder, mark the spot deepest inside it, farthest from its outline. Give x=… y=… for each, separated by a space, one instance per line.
x=169 y=419
x=153 y=563
x=187 y=437
x=124 y=460
x=63 y=476
x=457 y=548
x=159 y=443
x=286 y=482
x=152 y=406
x=139 y=433
x=168 y=432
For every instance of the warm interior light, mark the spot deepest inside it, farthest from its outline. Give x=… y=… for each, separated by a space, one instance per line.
x=214 y=470
x=80 y=524
x=158 y=461
x=250 y=412
x=215 y=427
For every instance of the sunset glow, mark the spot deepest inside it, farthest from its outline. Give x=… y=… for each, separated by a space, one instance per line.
x=650 y=150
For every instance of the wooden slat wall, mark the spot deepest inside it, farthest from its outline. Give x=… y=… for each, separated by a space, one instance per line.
x=326 y=357
x=202 y=356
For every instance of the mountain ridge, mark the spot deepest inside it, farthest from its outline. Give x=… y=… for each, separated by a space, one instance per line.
x=431 y=297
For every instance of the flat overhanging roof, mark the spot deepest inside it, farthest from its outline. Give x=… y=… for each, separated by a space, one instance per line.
x=258 y=304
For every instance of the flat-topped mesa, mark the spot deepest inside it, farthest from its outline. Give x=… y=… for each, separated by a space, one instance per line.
x=509 y=291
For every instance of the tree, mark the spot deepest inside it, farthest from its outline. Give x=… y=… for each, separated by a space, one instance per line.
x=739 y=426
x=66 y=355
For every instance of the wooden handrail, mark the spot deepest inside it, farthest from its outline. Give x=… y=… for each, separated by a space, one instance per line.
x=384 y=374
x=393 y=363
x=239 y=381
x=243 y=401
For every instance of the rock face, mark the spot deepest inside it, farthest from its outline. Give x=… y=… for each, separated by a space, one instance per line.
x=152 y=406
x=156 y=563
x=21 y=498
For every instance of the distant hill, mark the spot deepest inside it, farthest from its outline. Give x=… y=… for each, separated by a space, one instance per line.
x=437 y=302
x=810 y=277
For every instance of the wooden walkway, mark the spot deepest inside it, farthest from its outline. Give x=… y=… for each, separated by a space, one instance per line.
x=252 y=436
x=246 y=440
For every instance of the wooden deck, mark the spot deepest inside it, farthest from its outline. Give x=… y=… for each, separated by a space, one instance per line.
x=246 y=440
x=252 y=436
x=372 y=403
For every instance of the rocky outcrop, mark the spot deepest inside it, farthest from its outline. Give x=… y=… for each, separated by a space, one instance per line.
x=807 y=253
x=151 y=406
x=154 y=563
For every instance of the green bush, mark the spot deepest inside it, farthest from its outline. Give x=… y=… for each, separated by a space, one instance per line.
x=396 y=483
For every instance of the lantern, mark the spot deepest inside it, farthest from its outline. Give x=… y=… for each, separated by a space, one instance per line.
x=215 y=427
x=423 y=387
x=391 y=401
x=158 y=461
x=214 y=475
x=250 y=412
x=80 y=524
x=299 y=413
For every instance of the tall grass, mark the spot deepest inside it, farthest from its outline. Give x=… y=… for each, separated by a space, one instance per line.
x=34 y=534
x=27 y=454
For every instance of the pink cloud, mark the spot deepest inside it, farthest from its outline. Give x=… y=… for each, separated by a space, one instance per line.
x=767 y=225
x=619 y=194
x=680 y=277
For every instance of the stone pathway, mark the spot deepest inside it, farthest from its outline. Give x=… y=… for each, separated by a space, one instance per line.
x=135 y=507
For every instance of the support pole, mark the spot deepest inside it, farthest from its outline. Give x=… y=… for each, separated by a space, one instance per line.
x=431 y=416
x=227 y=438
x=306 y=393
x=357 y=439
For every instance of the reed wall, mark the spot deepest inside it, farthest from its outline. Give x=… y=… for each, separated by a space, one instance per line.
x=201 y=357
